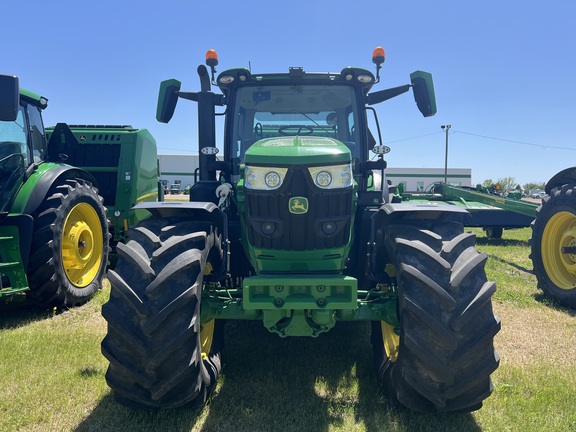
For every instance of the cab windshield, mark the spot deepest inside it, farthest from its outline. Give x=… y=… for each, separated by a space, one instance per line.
x=294 y=110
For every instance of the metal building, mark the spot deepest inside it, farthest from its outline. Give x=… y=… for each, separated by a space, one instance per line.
x=181 y=168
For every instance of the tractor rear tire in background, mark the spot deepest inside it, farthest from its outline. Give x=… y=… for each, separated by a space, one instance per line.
x=494 y=232
x=69 y=250
x=554 y=229
x=443 y=356
x=161 y=355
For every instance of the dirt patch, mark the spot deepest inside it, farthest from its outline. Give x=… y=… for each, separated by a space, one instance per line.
x=533 y=335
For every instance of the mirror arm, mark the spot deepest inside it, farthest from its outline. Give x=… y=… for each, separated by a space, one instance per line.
x=384 y=95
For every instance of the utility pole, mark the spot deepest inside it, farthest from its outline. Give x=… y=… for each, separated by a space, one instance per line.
x=446 y=128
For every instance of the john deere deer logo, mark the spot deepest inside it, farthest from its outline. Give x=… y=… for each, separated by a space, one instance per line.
x=298 y=205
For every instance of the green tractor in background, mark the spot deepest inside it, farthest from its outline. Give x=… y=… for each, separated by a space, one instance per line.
x=57 y=236
x=54 y=236
x=553 y=242
x=289 y=229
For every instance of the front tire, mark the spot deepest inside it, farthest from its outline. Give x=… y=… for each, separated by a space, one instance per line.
x=442 y=357
x=161 y=355
x=69 y=246
x=553 y=229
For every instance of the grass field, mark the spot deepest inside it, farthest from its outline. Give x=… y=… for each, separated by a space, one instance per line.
x=52 y=372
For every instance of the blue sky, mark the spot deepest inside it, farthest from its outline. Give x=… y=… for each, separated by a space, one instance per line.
x=504 y=71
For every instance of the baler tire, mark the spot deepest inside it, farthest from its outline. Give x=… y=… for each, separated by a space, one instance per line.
x=69 y=251
x=445 y=352
x=494 y=232
x=160 y=355
x=554 y=228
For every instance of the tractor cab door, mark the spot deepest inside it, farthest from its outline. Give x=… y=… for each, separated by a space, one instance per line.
x=21 y=143
x=14 y=156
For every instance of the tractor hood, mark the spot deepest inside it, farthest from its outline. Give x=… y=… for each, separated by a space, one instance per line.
x=298 y=150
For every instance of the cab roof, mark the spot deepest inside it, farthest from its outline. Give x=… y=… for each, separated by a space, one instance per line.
x=33 y=98
x=350 y=75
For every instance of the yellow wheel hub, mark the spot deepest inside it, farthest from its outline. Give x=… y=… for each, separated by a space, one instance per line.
x=206 y=338
x=560 y=232
x=82 y=245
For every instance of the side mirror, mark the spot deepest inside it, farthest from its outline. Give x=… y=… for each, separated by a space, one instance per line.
x=10 y=97
x=424 y=96
x=167 y=99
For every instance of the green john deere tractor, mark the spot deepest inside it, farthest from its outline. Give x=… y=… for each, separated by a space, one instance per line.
x=53 y=227
x=289 y=229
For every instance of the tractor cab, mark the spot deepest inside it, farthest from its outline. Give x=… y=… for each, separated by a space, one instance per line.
x=296 y=103
x=22 y=137
x=279 y=106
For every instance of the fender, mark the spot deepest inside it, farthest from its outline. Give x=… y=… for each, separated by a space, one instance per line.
x=397 y=213
x=37 y=186
x=429 y=210
x=194 y=210
x=563 y=177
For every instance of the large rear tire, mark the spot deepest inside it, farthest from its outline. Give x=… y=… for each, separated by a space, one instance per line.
x=553 y=229
x=69 y=246
x=160 y=354
x=442 y=357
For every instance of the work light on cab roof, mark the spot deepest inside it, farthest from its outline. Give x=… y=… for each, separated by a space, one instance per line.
x=212 y=62
x=211 y=58
x=378 y=57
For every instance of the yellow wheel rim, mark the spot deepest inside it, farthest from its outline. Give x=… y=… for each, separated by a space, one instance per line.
x=390 y=340
x=82 y=245
x=560 y=232
x=206 y=338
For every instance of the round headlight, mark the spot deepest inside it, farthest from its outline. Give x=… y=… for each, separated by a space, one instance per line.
x=272 y=179
x=268 y=228
x=323 y=179
x=226 y=79
x=346 y=178
x=364 y=78
x=329 y=228
x=250 y=179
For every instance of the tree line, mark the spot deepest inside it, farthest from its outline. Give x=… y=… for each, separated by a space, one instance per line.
x=507 y=184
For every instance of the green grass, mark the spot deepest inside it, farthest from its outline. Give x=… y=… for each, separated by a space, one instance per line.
x=509 y=265
x=52 y=372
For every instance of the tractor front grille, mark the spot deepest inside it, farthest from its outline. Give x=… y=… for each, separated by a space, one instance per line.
x=325 y=224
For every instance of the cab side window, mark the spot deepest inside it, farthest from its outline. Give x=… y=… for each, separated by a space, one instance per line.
x=13 y=138
x=37 y=137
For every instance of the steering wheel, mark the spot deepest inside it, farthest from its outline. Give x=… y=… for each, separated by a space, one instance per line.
x=258 y=129
x=284 y=130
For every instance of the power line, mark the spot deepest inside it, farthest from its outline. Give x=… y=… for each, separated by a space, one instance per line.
x=516 y=142
x=412 y=138
x=543 y=146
